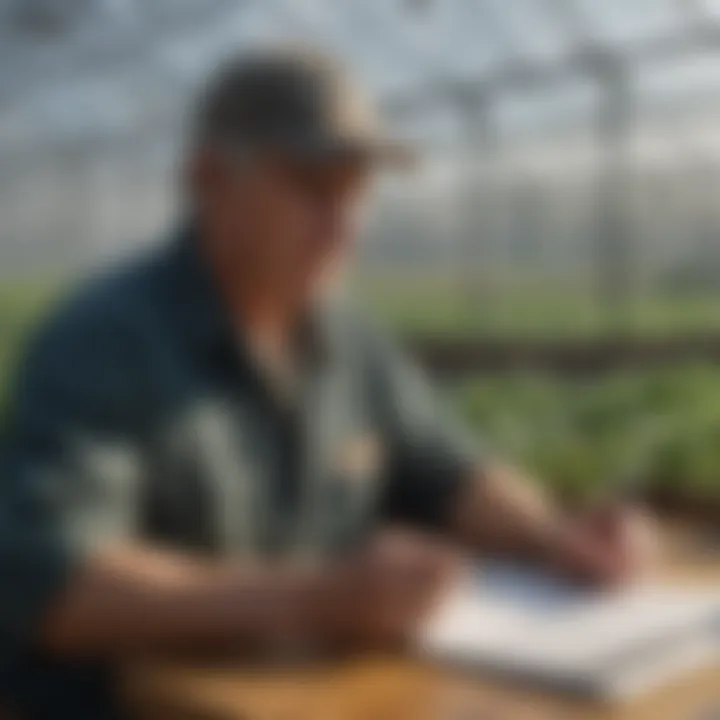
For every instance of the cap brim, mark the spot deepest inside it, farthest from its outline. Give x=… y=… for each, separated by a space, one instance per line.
x=382 y=152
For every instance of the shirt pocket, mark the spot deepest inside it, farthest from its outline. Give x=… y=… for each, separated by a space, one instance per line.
x=354 y=485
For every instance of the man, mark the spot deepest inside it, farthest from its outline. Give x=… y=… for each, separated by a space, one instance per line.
x=206 y=450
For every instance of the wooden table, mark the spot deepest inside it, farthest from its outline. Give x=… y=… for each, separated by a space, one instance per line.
x=401 y=689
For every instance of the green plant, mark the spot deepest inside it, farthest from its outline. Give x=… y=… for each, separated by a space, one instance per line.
x=650 y=430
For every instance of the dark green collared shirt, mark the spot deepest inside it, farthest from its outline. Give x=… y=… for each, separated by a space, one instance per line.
x=139 y=414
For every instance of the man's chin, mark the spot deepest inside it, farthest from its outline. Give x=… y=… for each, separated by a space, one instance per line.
x=314 y=287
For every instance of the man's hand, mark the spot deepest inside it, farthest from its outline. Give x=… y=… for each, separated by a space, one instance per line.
x=608 y=546
x=379 y=595
x=502 y=511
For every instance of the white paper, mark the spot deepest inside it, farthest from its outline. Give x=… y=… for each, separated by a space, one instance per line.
x=523 y=622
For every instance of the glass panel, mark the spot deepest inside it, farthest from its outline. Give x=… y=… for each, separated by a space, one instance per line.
x=531 y=26
x=624 y=20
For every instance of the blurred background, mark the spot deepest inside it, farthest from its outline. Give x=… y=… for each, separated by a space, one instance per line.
x=556 y=260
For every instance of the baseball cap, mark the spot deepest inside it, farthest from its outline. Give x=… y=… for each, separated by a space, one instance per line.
x=297 y=101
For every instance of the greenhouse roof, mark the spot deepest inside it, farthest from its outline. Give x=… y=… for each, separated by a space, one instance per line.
x=67 y=66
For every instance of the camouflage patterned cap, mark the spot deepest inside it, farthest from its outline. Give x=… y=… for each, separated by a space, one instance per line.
x=296 y=101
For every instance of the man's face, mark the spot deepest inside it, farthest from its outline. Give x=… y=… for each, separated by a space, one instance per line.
x=292 y=221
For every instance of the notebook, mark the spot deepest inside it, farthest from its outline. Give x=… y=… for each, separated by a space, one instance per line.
x=540 y=630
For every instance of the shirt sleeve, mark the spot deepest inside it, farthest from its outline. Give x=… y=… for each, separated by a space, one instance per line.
x=70 y=468
x=430 y=452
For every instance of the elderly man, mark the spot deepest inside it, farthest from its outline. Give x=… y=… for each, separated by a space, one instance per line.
x=207 y=449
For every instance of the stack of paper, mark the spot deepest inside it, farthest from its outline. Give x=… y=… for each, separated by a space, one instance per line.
x=525 y=624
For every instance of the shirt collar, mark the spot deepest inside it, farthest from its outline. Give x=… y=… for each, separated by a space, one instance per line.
x=202 y=313
x=206 y=321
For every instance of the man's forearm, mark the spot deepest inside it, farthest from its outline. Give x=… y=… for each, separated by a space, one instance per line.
x=502 y=511
x=138 y=600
